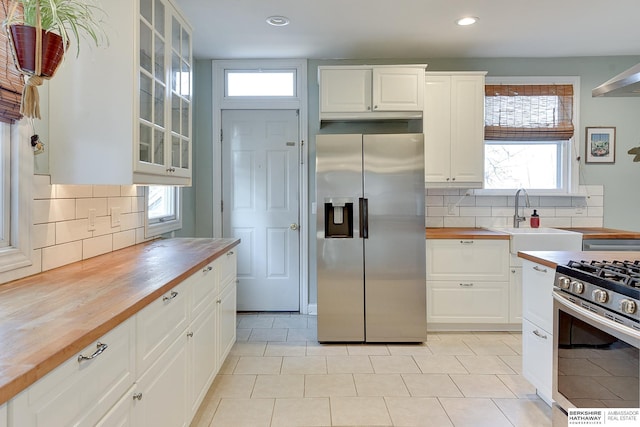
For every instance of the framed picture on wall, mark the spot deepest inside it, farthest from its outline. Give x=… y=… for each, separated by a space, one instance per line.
x=600 y=145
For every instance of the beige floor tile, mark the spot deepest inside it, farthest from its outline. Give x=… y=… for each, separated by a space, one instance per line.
x=431 y=385
x=308 y=412
x=304 y=365
x=233 y=386
x=258 y=365
x=409 y=350
x=456 y=336
x=243 y=334
x=243 y=413
x=394 y=365
x=349 y=365
x=316 y=349
x=417 y=411
x=207 y=409
x=481 y=386
x=485 y=365
x=329 y=385
x=359 y=411
x=303 y=334
x=278 y=386
x=519 y=386
x=514 y=362
x=367 y=350
x=251 y=322
x=248 y=349
x=380 y=385
x=264 y=334
x=474 y=413
x=286 y=348
x=440 y=364
x=483 y=348
x=228 y=365
x=525 y=412
x=290 y=322
x=452 y=348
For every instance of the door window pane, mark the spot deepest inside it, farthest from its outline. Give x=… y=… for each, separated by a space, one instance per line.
x=261 y=83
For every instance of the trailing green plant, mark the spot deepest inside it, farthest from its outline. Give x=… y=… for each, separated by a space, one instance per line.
x=64 y=17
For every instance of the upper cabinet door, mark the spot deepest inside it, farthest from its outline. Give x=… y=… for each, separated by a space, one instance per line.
x=398 y=89
x=345 y=90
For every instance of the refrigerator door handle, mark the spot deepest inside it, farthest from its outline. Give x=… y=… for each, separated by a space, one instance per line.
x=364 y=218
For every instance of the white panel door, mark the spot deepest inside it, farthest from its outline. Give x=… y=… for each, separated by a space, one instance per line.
x=260 y=151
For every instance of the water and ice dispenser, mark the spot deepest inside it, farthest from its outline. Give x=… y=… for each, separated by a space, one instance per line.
x=338 y=218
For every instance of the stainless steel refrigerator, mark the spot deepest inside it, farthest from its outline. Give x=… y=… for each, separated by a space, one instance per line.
x=370 y=238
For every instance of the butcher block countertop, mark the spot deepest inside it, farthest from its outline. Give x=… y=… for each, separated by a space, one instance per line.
x=604 y=233
x=464 y=233
x=553 y=258
x=47 y=318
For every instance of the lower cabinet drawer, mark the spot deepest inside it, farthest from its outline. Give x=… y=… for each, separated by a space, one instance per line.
x=160 y=323
x=227 y=265
x=3 y=415
x=82 y=389
x=537 y=358
x=466 y=301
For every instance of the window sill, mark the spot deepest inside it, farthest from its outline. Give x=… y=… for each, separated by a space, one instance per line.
x=539 y=193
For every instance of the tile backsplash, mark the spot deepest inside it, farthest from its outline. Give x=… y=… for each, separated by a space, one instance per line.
x=61 y=233
x=462 y=208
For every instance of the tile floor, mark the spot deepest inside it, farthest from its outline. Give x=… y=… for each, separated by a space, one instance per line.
x=277 y=374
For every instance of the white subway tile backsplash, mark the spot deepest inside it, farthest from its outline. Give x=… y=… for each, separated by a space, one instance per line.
x=106 y=190
x=42 y=188
x=72 y=191
x=124 y=239
x=595 y=201
x=53 y=210
x=83 y=206
x=69 y=231
x=434 y=200
x=59 y=255
x=475 y=211
x=460 y=221
x=130 y=190
x=124 y=203
x=43 y=235
x=491 y=201
x=97 y=246
x=586 y=222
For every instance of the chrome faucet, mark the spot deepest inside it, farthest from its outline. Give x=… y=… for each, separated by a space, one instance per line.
x=517 y=219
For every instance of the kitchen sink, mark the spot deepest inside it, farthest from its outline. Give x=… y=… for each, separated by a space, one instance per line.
x=541 y=239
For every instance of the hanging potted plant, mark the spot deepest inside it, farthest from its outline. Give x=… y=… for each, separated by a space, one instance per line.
x=40 y=33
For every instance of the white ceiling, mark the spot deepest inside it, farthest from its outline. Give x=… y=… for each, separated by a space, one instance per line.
x=413 y=29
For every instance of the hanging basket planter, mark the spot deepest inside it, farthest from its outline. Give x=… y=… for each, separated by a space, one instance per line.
x=23 y=42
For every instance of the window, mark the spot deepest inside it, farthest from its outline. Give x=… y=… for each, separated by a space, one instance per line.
x=529 y=134
x=163 y=210
x=257 y=83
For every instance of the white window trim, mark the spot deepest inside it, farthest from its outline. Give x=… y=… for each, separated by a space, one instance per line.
x=573 y=151
x=155 y=229
x=19 y=253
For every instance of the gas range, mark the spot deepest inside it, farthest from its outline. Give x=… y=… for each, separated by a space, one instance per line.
x=608 y=288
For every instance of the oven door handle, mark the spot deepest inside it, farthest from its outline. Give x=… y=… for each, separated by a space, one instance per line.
x=631 y=334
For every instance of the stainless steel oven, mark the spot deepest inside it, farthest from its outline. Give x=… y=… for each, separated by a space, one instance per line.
x=596 y=337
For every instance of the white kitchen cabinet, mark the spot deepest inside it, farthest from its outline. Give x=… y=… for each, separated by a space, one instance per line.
x=121 y=414
x=79 y=392
x=160 y=323
x=368 y=92
x=537 y=327
x=3 y=415
x=453 y=129
x=202 y=337
x=467 y=283
x=127 y=107
x=226 y=332
x=162 y=390
x=515 y=294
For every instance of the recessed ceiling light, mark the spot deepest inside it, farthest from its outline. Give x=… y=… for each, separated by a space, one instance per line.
x=278 y=21
x=467 y=20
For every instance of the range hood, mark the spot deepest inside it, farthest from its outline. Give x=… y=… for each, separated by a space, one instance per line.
x=626 y=83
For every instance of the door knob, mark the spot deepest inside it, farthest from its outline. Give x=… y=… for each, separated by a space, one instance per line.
x=294 y=226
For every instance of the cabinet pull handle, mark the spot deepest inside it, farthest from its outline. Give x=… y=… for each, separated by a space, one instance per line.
x=466 y=242
x=207 y=269
x=218 y=301
x=100 y=348
x=538 y=334
x=171 y=296
x=190 y=334
x=466 y=285
x=229 y=253
x=137 y=396
x=542 y=270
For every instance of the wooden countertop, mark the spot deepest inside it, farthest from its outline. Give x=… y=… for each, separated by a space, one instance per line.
x=47 y=318
x=553 y=258
x=464 y=233
x=604 y=233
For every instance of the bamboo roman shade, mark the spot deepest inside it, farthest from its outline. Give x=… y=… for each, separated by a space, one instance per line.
x=11 y=81
x=528 y=112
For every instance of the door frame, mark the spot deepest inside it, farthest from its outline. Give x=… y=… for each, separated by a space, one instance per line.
x=298 y=102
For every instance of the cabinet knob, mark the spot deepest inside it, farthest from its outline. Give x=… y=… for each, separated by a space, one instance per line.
x=190 y=334
x=137 y=396
x=218 y=301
